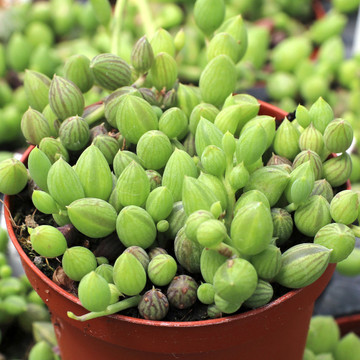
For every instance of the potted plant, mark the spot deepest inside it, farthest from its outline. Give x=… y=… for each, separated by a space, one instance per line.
x=190 y=204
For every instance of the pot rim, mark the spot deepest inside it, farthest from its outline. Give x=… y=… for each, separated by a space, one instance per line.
x=280 y=114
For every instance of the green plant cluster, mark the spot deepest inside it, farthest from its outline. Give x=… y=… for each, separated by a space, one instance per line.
x=21 y=309
x=39 y=36
x=325 y=342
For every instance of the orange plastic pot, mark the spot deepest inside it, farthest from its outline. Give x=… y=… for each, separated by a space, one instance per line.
x=349 y=323
x=276 y=331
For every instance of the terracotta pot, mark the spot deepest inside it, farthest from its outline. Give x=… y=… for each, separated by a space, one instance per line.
x=349 y=323
x=276 y=331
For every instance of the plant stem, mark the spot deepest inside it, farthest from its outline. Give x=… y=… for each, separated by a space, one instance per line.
x=146 y=17
x=117 y=25
x=231 y=203
x=226 y=250
x=230 y=194
x=111 y=309
x=291 y=207
x=228 y=241
x=96 y=115
x=355 y=229
x=139 y=81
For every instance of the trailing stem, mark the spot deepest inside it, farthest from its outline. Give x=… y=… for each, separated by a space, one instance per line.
x=110 y=310
x=355 y=229
x=230 y=196
x=146 y=17
x=117 y=26
x=95 y=116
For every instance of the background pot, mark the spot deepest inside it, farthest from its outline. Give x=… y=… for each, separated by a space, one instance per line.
x=275 y=331
x=349 y=323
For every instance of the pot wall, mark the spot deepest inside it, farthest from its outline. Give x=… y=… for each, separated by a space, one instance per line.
x=276 y=331
x=349 y=324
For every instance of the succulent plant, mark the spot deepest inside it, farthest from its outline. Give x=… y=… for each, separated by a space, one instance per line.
x=159 y=203
x=201 y=194
x=155 y=251
x=136 y=191
x=53 y=149
x=34 y=126
x=94 y=292
x=127 y=264
x=41 y=349
x=48 y=241
x=154 y=141
x=135 y=226
x=207 y=134
x=63 y=183
x=235 y=280
x=323 y=334
x=311 y=139
x=338 y=238
x=162 y=269
x=106 y=271
x=257 y=220
x=153 y=305
x=261 y=296
x=110 y=71
x=108 y=145
x=225 y=306
x=271 y=181
x=74 y=133
x=286 y=141
x=174 y=123
x=205 y=110
x=163 y=71
x=214 y=89
x=338 y=135
x=44 y=202
x=122 y=159
x=140 y=254
x=347 y=346
x=319 y=208
x=94 y=173
x=267 y=263
x=135 y=117
x=39 y=84
x=344 y=207
x=78 y=261
x=13 y=176
x=337 y=169
x=180 y=164
x=197 y=195
x=181 y=292
x=282 y=225
x=142 y=55
x=77 y=69
x=65 y=98
x=350 y=266
x=296 y=271
x=93 y=217
x=206 y=293
x=209 y=18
